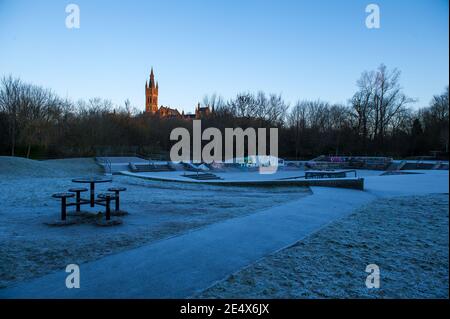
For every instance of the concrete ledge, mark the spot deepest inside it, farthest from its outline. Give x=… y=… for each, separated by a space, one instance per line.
x=348 y=182
x=354 y=183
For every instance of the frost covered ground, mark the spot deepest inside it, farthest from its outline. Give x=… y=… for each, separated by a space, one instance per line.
x=407 y=237
x=182 y=238
x=158 y=210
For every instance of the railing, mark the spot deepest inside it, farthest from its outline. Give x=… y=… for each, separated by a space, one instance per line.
x=106 y=163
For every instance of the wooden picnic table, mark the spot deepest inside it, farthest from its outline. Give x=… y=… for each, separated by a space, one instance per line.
x=92 y=180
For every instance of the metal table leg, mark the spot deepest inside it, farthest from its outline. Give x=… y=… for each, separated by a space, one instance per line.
x=92 y=194
x=63 y=208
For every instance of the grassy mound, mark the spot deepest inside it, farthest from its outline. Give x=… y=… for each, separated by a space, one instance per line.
x=19 y=167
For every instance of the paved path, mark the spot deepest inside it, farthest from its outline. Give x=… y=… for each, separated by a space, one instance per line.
x=180 y=266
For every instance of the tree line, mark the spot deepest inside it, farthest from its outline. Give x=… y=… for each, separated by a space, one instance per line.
x=377 y=120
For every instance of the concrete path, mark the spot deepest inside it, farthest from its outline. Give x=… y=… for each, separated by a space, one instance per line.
x=180 y=266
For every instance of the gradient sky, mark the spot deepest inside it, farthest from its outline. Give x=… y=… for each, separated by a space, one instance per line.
x=301 y=49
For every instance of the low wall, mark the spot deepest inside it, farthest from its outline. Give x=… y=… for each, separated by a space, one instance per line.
x=356 y=183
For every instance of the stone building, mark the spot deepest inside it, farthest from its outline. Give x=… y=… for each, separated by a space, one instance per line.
x=151 y=103
x=151 y=95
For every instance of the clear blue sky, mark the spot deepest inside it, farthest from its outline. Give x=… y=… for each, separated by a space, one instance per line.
x=301 y=49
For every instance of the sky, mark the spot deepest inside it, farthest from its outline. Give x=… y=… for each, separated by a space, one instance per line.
x=299 y=49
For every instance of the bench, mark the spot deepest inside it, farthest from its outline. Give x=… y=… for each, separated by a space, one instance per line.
x=117 y=191
x=108 y=197
x=63 y=197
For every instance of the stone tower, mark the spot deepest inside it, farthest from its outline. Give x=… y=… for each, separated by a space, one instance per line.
x=151 y=95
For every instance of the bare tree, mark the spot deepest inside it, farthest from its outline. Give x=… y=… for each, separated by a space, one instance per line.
x=435 y=118
x=9 y=104
x=362 y=107
x=338 y=116
x=43 y=110
x=214 y=101
x=377 y=102
x=276 y=110
x=296 y=119
x=388 y=101
x=31 y=111
x=243 y=106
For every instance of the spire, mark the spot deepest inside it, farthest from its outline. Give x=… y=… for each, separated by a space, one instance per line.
x=146 y=85
x=156 y=84
x=152 y=79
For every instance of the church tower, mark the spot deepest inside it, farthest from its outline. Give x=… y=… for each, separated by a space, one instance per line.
x=151 y=95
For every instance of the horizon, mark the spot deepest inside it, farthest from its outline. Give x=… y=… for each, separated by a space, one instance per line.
x=301 y=50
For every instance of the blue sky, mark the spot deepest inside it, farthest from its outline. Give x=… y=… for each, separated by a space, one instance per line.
x=301 y=49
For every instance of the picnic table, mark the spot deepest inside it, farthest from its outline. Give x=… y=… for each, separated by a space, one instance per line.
x=92 y=180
